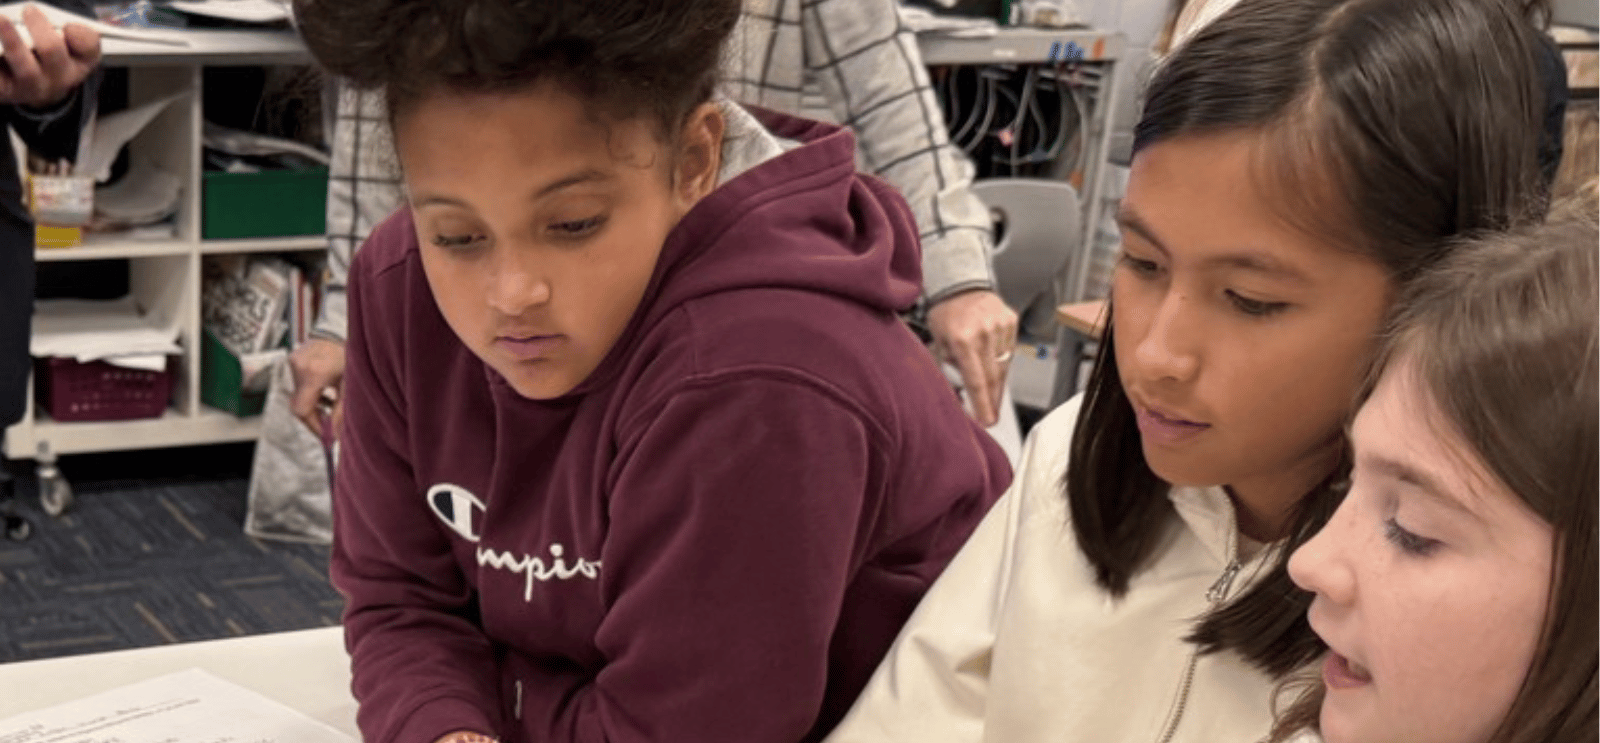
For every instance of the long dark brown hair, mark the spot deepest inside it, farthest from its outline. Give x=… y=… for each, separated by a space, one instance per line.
x=1505 y=339
x=1392 y=127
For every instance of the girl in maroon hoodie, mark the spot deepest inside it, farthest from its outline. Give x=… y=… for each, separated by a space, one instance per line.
x=635 y=447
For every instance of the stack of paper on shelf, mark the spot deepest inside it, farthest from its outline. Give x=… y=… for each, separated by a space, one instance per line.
x=240 y=144
x=241 y=12
x=115 y=331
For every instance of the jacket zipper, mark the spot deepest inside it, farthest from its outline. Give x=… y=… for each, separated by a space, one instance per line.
x=1183 y=698
x=1215 y=595
x=1219 y=590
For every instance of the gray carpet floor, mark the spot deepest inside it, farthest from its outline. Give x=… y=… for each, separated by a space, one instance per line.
x=152 y=552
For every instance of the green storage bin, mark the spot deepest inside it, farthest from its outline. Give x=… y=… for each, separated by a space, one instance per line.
x=222 y=380
x=269 y=203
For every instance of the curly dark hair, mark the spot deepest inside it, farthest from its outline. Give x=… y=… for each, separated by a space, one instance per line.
x=624 y=58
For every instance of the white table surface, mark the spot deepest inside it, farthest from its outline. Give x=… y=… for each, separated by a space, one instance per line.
x=305 y=670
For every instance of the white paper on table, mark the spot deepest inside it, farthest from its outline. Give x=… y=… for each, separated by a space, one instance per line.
x=112 y=131
x=59 y=18
x=185 y=707
x=246 y=11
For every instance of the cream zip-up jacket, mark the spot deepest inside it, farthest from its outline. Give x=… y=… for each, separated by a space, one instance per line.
x=1015 y=643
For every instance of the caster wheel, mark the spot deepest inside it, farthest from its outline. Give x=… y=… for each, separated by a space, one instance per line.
x=18 y=528
x=55 y=495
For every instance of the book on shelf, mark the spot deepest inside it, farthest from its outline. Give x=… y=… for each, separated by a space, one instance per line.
x=260 y=302
x=243 y=300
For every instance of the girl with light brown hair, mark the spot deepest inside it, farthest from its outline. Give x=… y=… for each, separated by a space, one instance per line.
x=1456 y=583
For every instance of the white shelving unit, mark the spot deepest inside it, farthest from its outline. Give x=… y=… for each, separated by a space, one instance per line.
x=164 y=274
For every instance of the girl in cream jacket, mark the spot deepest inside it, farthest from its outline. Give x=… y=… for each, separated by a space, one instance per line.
x=1292 y=173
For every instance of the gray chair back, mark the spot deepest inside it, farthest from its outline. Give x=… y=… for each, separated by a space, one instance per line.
x=1038 y=223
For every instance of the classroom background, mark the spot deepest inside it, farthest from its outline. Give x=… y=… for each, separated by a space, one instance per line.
x=151 y=497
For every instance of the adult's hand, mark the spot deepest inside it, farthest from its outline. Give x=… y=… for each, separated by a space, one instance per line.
x=58 y=61
x=977 y=332
x=318 y=365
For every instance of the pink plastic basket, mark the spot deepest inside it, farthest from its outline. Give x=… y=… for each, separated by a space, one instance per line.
x=96 y=391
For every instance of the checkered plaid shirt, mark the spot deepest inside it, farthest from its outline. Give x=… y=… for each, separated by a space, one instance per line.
x=856 y=54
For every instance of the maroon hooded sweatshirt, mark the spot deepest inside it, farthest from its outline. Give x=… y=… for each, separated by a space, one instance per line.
x=715 y=537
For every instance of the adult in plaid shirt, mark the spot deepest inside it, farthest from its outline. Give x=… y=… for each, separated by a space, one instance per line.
x=860 y=57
